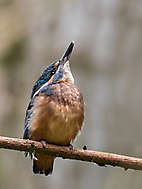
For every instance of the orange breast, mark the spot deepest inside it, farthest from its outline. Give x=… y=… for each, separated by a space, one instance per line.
x=57 y=123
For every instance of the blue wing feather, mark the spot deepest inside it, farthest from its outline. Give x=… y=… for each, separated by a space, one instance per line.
x=28 y=118
x=46 y=75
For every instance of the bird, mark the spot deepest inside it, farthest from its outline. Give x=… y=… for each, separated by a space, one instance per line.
x=55 y=113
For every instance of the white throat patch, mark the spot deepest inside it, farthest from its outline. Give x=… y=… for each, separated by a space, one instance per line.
x=67 y=72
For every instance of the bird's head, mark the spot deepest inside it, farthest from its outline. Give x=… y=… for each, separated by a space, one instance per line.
x=55 y=72
x=63 y=72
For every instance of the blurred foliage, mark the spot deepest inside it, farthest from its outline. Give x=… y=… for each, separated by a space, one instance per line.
x=14 y=54
x=5 y=3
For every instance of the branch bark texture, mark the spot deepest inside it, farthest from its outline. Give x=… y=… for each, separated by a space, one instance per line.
x=100 y=158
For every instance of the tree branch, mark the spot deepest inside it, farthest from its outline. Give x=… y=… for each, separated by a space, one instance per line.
x=100 y=158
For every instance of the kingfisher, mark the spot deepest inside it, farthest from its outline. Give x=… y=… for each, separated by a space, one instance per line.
x=55 y=113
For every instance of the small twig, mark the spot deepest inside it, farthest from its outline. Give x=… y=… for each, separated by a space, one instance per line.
x=100 y=158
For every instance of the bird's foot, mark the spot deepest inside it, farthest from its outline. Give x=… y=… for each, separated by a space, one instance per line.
x=71 y=147
x=43 y=142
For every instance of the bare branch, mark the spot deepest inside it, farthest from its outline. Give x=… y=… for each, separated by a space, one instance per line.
x=100 y=158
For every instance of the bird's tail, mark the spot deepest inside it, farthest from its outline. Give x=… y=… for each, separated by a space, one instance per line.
x=43 y=164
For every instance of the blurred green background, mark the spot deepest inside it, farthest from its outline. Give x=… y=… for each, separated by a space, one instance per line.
x=107 y=66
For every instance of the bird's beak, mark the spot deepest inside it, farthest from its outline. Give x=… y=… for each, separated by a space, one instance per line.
x=67 y=53
x=63 y=71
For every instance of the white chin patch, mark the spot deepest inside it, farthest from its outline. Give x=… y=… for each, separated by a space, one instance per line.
x=67 y=72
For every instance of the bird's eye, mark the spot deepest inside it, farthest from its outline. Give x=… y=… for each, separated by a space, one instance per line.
x=55 y=68
x=53 y=71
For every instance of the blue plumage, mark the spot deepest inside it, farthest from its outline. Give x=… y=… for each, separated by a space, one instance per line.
x=46 y=75
x=44 y=78
x=28 y=118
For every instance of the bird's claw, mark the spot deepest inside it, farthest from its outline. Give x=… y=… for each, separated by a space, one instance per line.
x=43 y=142
x=71 y=147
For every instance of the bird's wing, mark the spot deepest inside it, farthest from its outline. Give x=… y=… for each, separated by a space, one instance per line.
x=48 y=91
x=44 y=78
x=27 y=119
